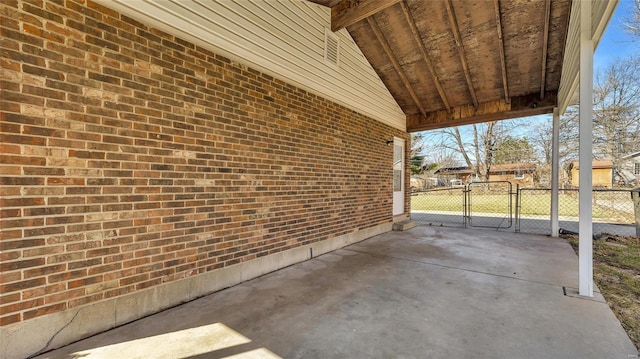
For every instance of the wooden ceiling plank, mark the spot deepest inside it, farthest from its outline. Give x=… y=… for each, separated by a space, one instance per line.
x=463 y=58
x=495 y=110
x=348 y=12
x=425 y=56
x=545 y=44
x=387 y=49
x=503 y=63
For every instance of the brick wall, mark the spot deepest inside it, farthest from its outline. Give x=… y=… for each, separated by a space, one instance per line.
x=130 y=158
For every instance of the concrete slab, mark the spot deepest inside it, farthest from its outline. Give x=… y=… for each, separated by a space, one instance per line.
x=423 y=293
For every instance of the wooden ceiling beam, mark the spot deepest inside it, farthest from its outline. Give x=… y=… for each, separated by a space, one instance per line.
x=348 y=12
x=519 y=106
x=425 y=56
x=503 y=63
x=545 y=44
x=463 y=59
x=387 y=49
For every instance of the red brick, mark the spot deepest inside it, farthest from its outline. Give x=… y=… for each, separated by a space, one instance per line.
x=85 y=300
x=84 y=263
x=65 y=296
x=25 y=304
x=42 y=231
x=44 y=310
x=7 y=277
x=40 y=291
x=65 y=276
x=134 y=279
x=10 y=319
x=84 y=281
x=21 y=264
x=126 y=165
x=21 y=285
x=41 y=271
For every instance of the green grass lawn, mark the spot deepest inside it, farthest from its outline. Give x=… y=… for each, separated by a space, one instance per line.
x=616 y=206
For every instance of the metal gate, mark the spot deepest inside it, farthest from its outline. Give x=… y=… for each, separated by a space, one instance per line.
x=489 y=204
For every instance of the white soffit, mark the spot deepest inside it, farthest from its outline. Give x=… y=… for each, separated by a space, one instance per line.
x=285 y=39
x=602 y=11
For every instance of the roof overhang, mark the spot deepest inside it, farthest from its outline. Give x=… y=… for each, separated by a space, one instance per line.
x=457 y=62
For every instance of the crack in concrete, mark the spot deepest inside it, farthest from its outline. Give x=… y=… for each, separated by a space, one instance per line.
x=46 y=346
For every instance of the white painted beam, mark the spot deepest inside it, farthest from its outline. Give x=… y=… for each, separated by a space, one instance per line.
x=585 y=227
x=555 y=169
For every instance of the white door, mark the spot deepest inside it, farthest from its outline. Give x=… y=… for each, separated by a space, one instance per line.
x=398 y=176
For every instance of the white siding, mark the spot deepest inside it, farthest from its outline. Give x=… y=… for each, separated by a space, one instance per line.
x=601 y=13
x=284 y=39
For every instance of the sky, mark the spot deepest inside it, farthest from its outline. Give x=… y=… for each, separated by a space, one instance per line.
x=616 y=42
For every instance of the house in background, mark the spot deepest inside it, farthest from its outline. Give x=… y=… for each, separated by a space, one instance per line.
x=516 y=173
x=628 y=171
x=602 y=175
x=462 y=173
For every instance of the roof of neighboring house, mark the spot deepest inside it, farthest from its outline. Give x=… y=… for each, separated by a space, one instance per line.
x=494 y=168
x=459 y=169
x=631 y=155
x=597 y=164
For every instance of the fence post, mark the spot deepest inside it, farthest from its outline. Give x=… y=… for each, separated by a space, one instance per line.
x=635 y=197
x=465 y=205
x=517 y=209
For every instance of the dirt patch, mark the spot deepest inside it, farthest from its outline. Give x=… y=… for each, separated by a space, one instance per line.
x=616 y=271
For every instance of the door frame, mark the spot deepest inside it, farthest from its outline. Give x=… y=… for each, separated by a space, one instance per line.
x=399 y=196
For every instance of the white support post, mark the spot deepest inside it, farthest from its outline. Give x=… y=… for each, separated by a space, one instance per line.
x=585 y=227
x=555 y=169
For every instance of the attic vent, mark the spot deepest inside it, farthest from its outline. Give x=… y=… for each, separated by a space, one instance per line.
x=331 y=48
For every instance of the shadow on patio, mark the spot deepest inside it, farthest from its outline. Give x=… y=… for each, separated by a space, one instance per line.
x=425 y=293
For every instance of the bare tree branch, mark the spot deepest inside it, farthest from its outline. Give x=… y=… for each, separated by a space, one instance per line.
x=632 y=22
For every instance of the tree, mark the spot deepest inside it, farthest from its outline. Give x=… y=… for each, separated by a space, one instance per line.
x=632 y=23
x=416 y=158
x=417 y=144
x=514 y=150
x=616 y=117
x=541 y=139
x=437 y=157
x=616 y=110
x=478 y=151
x=416 y=165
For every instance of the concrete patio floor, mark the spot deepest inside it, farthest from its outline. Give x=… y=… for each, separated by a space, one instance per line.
x=425 y=293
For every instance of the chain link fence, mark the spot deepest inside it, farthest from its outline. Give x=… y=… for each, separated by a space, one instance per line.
x=613 y=211
x=499 y=206
x=443 y=207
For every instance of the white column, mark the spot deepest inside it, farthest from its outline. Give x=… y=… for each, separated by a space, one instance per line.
x=585 y=227
x=555 y=168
